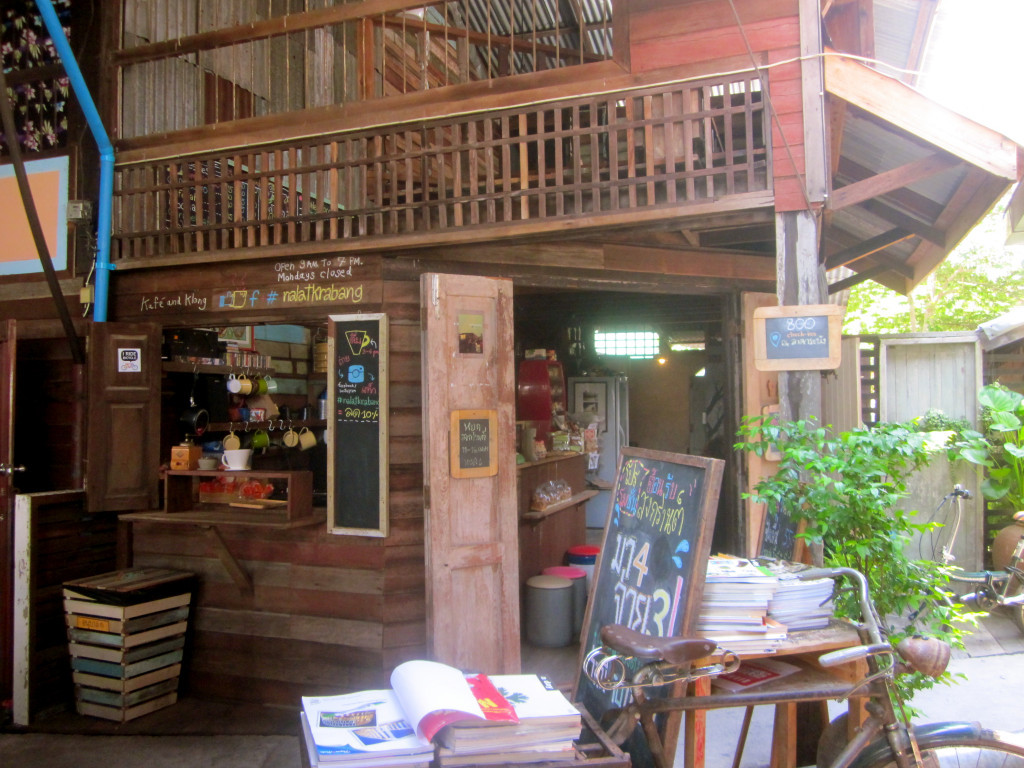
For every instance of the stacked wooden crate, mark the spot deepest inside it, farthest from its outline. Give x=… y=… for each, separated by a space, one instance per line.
x=126 y=636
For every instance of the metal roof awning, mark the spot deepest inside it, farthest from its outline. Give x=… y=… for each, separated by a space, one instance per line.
x=910 y=178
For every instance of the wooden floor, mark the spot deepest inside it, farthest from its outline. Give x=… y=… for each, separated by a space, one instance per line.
x=996 y=634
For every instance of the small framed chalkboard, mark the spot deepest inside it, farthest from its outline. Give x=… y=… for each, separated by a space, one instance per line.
x=474 y=443
x=357 y=429
x=780 y=538
x=650 y=573
x=797 y=338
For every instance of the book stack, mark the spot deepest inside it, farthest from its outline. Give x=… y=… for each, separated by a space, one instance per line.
x=433 y=708
x=547 y=727
x=797 y=603
x=734 y=611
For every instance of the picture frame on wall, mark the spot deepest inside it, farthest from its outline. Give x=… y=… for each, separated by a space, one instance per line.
x=237 y=335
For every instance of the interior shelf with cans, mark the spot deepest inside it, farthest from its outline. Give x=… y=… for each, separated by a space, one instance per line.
x=127 y=632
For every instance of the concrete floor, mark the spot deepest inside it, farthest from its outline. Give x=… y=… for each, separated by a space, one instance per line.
x=202 y=734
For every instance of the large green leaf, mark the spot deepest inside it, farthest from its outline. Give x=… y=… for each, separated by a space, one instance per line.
x=999 y=399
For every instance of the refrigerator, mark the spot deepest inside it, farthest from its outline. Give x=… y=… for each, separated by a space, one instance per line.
x=608 y=398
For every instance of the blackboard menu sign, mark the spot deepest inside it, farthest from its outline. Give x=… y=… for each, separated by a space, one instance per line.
x=474 y=443
x=793 y=338
x=657 y=538
x=780 y=534
x=357 y=434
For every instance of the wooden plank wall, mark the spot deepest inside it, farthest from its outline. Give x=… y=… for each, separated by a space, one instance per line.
x=327 y=613
x=56 y=540
x=666 y=34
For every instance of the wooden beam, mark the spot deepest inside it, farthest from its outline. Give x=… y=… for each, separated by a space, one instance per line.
x=570 y=82
x=870 y=247
x=898 y=218
x=857 y=279
x=925 y=16
x=905 y=108
x=887 y=181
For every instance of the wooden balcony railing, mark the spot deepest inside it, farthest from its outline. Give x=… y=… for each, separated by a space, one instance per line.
x=584 y=159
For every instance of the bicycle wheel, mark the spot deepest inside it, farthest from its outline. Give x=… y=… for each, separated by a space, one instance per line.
x=953 y=745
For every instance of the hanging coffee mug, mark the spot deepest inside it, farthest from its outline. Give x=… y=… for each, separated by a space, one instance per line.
x=231 y=441
x=271 y=383
x=307 y=439
x=290 y=438
x=239 y=385
x=260 y=385
x=260 y=438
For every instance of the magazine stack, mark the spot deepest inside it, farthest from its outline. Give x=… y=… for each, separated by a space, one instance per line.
x=435 y=711
x=734 y=611
x=547 y=727
x=800 y=604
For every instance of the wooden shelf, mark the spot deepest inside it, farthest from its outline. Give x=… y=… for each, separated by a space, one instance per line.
x=220 y=515
x=173 y=366
x=183 y=498
x=540 y=514
x=551 y=457
x=268 y=424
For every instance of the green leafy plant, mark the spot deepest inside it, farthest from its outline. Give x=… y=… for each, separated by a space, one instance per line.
x=847 y=487
x=1001 y=448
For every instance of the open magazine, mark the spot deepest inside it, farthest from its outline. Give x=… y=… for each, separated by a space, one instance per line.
x=425 y=697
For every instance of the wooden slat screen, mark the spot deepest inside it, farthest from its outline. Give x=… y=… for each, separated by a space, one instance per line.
x=661 y=147
x=211 y=61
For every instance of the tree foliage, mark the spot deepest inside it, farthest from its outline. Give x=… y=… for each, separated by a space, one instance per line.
x=982 y=279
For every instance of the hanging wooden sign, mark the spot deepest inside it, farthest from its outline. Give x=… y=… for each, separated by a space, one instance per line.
x=798 y=338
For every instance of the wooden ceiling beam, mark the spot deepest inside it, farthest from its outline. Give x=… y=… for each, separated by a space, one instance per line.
x=914 y=203
x=891 y=180
x=905 y=108
x=872 y=247
x=900 y=219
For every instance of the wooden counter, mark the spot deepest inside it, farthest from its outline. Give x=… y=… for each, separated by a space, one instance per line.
x=545 y=535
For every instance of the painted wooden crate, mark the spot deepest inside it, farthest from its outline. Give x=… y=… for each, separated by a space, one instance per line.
x=126 y=638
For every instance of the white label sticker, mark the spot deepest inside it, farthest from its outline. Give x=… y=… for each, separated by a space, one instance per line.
x=129 y=361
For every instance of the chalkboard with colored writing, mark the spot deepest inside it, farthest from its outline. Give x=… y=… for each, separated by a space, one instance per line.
x=650 y=573
x=796 y=337
x=357 y=434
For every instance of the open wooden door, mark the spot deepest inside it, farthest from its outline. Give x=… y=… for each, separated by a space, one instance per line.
x=8 y=340
x=472 y=552
x=123 y=421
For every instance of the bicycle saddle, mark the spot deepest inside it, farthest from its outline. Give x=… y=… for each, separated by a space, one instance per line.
x=675 y=650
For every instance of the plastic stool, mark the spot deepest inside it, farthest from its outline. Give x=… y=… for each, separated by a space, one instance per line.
x=578 y=577
x=548 y=611
x=583 y=556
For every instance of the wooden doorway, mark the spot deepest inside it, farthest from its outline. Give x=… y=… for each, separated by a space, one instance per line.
x=471 y=534
x=8 y=339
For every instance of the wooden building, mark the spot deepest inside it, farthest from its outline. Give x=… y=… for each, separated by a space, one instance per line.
x=546 y=168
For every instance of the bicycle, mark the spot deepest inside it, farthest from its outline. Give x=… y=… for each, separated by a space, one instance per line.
x=991 y=589
x=886 y=737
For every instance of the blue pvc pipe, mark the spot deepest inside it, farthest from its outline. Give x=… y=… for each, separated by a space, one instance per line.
x=99 y=133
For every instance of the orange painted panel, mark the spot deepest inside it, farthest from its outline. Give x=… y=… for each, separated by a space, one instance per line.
x=48 y=181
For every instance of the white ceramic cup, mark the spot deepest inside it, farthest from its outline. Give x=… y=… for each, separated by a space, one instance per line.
x=290 y=438
x=237 y=459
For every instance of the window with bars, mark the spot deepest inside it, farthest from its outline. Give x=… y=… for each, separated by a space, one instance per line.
x=634 y=344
